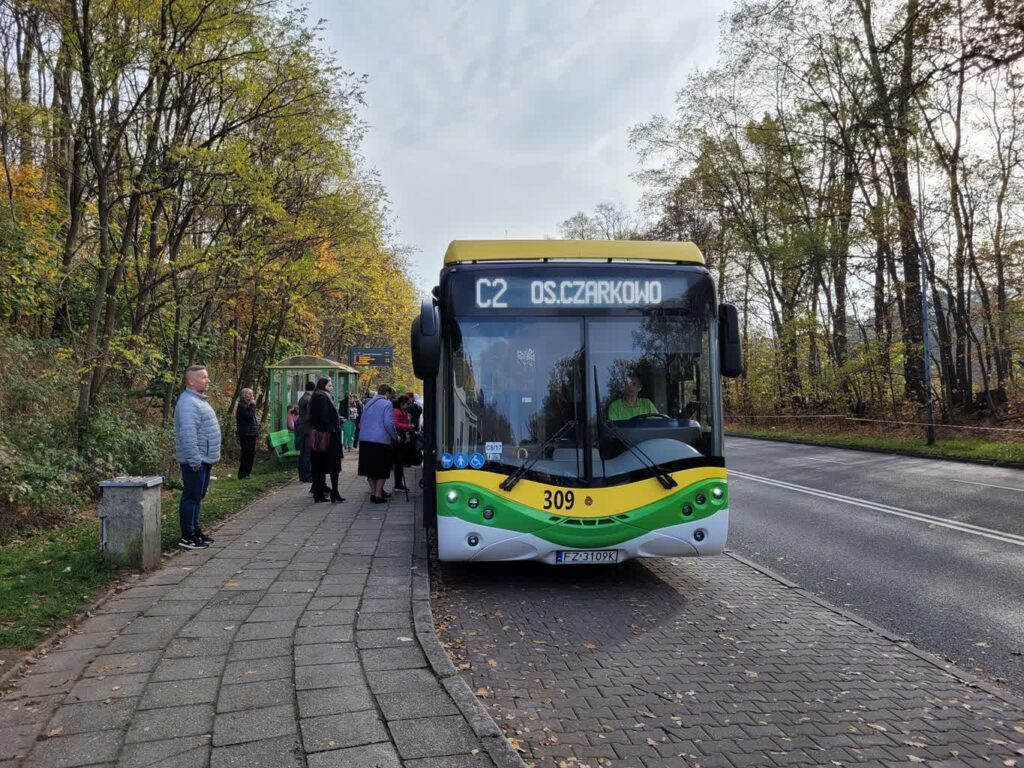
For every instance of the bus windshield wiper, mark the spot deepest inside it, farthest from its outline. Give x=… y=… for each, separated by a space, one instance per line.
x=666 y=480
x=510 y=482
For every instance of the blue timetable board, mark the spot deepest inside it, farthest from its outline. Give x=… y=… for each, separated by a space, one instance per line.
x=376 y=357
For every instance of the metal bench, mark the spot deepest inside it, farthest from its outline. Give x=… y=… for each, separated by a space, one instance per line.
x=282 y=443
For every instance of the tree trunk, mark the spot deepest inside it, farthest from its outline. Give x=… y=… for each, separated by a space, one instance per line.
x=894 y=110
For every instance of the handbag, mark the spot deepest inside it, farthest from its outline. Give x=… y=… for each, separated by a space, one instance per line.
x=318 y=441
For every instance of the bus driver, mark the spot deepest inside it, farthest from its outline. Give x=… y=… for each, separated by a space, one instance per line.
x=630 y=405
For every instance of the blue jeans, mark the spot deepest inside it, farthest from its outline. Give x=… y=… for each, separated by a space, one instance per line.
x=193 y=489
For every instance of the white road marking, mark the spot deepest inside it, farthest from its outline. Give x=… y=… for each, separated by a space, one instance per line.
x=844 y=462
x=987 y=485
x=974 y=530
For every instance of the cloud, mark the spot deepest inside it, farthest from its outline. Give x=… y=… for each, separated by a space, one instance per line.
x=489 y=118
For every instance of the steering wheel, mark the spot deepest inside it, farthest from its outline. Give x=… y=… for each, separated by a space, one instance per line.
x=651 y=416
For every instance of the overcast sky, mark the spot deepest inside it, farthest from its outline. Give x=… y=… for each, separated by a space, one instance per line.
x=494 y=119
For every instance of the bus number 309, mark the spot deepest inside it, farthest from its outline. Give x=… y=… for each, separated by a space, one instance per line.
x=559 y=499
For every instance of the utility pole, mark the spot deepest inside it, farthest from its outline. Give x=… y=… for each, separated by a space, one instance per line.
x=926 y=333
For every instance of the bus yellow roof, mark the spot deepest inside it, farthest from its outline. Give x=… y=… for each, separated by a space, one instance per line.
x=460 y=251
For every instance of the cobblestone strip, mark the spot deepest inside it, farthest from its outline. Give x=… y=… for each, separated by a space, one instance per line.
x=426 y=726
x=84 y=714
x=476 y=715
x=705 y=662
x=255 y=722
x=288 y=644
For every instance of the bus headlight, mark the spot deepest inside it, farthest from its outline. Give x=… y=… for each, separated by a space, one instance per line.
x=717 y=492
x=472 y=539
x=699 y=535
x=488 y=513
x=473 y=502
x=687 y=510
x=700 y=498
x=452 y=496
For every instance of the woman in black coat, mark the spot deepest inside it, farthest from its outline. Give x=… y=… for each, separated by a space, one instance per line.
x=323 y=416
x=247 y=426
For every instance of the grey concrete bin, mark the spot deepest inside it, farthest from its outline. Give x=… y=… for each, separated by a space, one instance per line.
x=130 y=521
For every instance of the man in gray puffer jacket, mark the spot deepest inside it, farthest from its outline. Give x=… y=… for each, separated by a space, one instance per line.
x=197 y=447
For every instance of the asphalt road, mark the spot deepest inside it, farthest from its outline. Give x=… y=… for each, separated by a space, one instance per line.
x=932 y=550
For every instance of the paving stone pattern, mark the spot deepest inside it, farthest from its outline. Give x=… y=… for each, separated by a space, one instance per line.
x=703 y=663
x=288 y=643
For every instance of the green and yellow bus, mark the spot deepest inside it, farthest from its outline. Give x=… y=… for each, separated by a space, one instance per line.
x=572 y=401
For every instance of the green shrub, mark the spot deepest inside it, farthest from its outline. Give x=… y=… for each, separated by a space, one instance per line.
x=115 y=442
x=50 y=464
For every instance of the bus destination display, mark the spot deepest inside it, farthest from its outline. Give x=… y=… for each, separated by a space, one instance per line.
x=515 y=292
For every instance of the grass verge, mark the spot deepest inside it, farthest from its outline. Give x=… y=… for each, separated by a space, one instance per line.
x=49 y=577
x=1002 y=452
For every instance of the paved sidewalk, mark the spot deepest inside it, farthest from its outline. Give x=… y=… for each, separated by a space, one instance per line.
x=289 y=643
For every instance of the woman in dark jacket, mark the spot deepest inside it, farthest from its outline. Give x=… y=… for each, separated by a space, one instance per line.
x=323 y=416
x=405 y=430
x=248 y=430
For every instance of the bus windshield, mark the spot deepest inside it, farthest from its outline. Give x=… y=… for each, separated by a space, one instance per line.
x=654 y=391
x=639 y=390
x=517 y=382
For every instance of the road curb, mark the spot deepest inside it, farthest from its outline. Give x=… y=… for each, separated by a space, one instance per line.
x=867 y=449
x=965 y=677
x=475 y=714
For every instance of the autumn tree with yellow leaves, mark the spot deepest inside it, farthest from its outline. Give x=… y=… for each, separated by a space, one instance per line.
x=181 y=183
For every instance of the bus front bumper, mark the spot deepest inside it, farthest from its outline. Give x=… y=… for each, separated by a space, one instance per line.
x=456 y=537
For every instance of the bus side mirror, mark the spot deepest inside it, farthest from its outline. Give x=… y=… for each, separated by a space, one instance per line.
x=426 y=341
x=730 y=352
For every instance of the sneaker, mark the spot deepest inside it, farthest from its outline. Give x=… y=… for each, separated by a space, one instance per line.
x=192 y=543
x=203 y=537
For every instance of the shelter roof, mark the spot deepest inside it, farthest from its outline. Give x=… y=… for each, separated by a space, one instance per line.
x=314 y=363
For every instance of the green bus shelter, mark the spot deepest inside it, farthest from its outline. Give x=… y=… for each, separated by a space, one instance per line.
x=288 y=381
